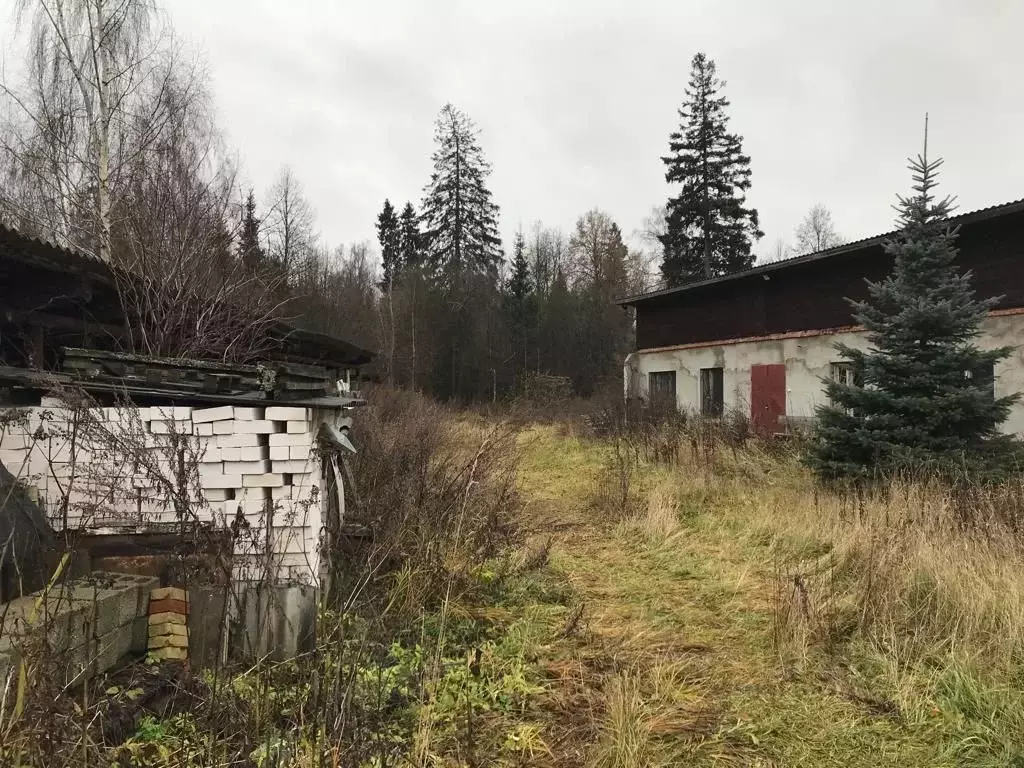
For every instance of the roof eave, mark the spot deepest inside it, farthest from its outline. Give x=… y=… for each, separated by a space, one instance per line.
x=1003 y=209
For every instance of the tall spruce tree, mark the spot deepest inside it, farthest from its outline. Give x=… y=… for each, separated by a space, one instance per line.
x=921 y=398
x=709 y=230
x=249 y=249
x=410 y=239
x=461 y=219
x=520 y=301
x=390 y=238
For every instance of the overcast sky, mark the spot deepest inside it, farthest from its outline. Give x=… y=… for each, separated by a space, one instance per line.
x=575 y=99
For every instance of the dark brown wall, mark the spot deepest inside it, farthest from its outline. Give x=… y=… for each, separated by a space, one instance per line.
x=814 y=295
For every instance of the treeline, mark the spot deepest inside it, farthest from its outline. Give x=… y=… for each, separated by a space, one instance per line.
x=111 y=146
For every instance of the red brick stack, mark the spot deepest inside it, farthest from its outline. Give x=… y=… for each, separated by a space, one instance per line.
x=168 y=623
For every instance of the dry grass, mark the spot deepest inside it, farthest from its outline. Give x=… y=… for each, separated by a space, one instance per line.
x=874 y=631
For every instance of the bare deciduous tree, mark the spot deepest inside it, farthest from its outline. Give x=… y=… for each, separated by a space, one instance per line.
x=184 y=288
x=88 y=62
x=780 y=250
x=289 y=224
x=597 y=255
x=817 y=232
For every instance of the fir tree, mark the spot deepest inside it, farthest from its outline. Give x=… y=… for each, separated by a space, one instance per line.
x=520 y=300
x=389 y=236
x=520 y=285
x=410 y=239
x=922 y=395
x=249 y=249
x=462 y=220
x=709 y=231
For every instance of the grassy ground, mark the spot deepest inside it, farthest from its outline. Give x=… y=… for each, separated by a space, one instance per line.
x=713 y=608
x=687 y=642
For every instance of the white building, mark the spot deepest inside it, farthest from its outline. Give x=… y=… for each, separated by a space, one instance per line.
x=762 y=341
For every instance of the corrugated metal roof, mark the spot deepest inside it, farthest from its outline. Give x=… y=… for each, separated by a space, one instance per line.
x=43 y=251
x=992 y=211
x=44 y=254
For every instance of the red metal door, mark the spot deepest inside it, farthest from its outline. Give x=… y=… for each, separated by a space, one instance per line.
x=767 y=398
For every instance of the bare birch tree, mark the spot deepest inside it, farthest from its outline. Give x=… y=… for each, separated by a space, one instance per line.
x=88 y=62
x=289 y=225
x=817 y=232
x=186 y=292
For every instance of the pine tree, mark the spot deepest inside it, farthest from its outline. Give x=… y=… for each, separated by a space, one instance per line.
x=410 y=239
x=709 y=231
x=462 y=220
x=389 y=236
x=922 y=396
x=249 y=249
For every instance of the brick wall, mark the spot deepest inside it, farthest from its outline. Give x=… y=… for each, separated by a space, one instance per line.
x=121 y=467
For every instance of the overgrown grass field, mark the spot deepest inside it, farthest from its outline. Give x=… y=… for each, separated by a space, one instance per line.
x=732 y=613
x=554 y=594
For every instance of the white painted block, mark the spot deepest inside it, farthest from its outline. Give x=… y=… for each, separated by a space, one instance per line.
x=221 y=481
x=248 y=414
x=170 y=413
x=211 y=454
x=164 y=427
x=297 y=427
x=224 y=427
x=291 y=467
x=290 y=439
x=254 y=453
x=230 y=454
x=253 y=506
x=282 y=452
x=221 y=412
x=255 y=427
x=300 y=452
x=236 y=441
x=282 y=493
x=13 y=458
x=287 y=413
x=215 y=494
x=268 y=480
x=204 y=430
x=248 y=467
x=212 y=468
x=14 y=439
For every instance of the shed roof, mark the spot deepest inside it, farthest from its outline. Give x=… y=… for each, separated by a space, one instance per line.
x=1003 y=209
x=36 y=253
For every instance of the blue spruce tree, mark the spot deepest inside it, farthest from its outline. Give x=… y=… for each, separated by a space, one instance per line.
x=922 y=399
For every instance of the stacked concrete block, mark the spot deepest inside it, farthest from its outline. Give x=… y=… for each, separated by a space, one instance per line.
x=168 y=624
x=89 y=624
x=249 y=455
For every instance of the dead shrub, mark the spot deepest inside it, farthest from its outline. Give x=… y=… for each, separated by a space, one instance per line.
x=438 y=495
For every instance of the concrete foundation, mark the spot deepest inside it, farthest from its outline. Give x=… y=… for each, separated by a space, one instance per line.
x=276 y=621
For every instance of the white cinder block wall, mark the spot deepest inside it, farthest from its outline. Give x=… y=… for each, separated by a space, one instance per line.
x=250 y=461
x=808 y=359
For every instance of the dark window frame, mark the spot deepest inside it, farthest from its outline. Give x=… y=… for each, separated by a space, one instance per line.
x=661 y=385
x=712 y=392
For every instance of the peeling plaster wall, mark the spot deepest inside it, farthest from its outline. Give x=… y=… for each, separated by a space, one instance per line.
x=807 y=359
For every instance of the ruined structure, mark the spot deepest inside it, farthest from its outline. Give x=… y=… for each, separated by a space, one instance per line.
x=147 y=463
x=761 y=341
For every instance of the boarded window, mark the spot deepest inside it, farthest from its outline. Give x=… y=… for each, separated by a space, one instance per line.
x=842 y=372
x=711 y=392
x=983 y=377
x=661 y=385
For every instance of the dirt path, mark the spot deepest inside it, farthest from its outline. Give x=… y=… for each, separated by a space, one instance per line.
x=666 y=655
